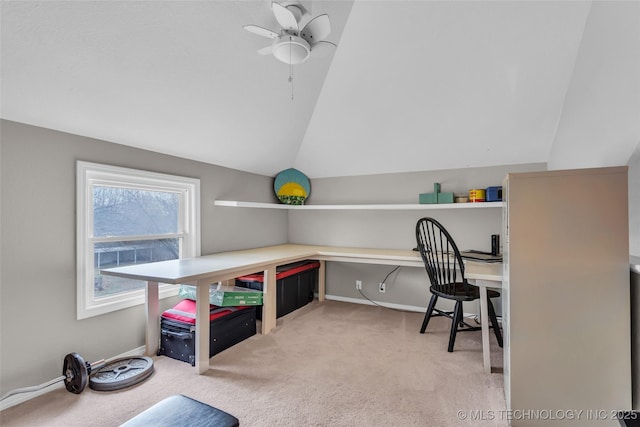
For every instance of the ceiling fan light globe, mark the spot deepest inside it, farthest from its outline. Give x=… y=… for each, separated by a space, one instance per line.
x=291 y=50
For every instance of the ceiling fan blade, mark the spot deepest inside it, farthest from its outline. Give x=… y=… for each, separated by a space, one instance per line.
x=266 y=50
x=285 y=17
x=317 y=29
x=261 y=31
x=322 y=48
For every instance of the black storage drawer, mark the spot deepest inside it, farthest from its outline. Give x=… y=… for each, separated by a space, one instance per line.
x=295 y=284
x=178 y=338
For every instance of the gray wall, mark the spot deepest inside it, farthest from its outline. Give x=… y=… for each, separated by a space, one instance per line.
x=38 y=257
x=471 y=228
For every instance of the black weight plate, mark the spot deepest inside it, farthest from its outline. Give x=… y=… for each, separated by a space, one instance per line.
x=75 y=370
x=121 y=373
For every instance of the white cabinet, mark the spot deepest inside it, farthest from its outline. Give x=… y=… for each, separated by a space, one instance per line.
x=566 y=302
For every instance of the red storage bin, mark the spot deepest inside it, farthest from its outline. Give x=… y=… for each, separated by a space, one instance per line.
x=295 y=284
x=229 y=326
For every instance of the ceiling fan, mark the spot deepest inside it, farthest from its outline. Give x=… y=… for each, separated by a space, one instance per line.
x=295 y=43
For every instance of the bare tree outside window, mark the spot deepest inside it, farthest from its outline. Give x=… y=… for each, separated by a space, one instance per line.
x=129 y=216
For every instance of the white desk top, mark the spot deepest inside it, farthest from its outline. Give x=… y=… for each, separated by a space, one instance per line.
x=228 y=263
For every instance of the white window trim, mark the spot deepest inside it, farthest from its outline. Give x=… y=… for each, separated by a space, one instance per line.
x=88 y=174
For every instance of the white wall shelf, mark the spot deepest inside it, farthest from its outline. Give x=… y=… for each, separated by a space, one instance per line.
x=397 y=207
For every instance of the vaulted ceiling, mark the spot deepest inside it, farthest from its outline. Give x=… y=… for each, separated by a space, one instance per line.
x=413 y=85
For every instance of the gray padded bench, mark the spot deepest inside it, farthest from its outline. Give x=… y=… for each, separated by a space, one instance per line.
x=181 y=410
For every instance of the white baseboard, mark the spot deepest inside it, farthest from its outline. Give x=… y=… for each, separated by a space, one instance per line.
x=17 y=399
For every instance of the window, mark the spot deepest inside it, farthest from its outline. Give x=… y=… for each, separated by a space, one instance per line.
x=124 y=217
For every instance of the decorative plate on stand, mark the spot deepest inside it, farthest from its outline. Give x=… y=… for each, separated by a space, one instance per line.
x=292 y=187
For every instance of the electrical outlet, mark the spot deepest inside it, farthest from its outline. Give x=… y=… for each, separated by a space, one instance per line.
x=382 y=287
x=358 y=284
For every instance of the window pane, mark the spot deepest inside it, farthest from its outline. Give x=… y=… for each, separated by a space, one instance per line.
x=109 y=285
x=115 y=254
x=133 y=212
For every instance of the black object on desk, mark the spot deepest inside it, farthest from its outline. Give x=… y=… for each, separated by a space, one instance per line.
x=495 y=244
x=474 y=255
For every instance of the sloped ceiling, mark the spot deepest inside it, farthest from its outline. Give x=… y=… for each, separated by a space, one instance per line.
x=413 y=85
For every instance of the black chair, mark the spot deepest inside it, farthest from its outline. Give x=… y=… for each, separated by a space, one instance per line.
x=445 y=268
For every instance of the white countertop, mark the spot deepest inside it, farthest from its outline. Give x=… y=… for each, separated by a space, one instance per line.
x=236 y=262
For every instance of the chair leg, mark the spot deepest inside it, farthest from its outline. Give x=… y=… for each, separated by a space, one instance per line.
x=454 y=325
x=427 y=316
x=494 y=322
x=461 y=323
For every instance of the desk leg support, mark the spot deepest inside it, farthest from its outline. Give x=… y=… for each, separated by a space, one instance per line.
x=202 y=327
x=484 y=321
x=152 y=304
x=269 y=300
x=321 y=281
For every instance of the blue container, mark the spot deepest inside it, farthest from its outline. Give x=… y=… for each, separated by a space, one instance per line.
x=494 y=194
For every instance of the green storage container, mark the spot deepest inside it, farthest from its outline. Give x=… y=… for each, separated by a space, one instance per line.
x=436 y=196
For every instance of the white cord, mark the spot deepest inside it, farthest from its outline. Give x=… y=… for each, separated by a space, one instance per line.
x=33 y=388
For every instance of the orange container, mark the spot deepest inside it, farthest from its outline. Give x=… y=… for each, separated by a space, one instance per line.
x=477 y=195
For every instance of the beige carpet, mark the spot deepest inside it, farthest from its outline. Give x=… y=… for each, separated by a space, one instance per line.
x=327 y=364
